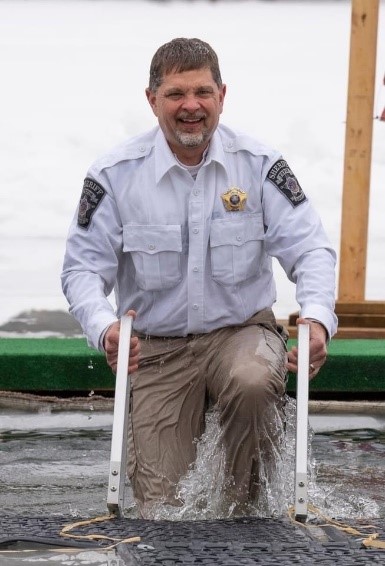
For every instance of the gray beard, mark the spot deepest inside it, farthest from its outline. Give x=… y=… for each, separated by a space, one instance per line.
x=190 y=140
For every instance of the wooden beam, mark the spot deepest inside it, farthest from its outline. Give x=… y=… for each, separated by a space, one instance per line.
x=368 y=308
x=343 y=331
x=358 y=150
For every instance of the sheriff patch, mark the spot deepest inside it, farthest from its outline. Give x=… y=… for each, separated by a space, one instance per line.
x=90 y=199
x=284 y=179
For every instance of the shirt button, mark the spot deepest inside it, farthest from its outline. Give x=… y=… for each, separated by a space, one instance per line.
x=230 y=144
x=239 y=238
x=142 y=148
x=196 y=192
x=195 y=269
x=151 y=247
x=195 y=307
x=196 y=230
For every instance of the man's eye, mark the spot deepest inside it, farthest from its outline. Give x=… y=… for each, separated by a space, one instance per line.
x=204 y=93
x=174 y=95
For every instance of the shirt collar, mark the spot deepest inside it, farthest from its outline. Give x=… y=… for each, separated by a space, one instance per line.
x=216 y=152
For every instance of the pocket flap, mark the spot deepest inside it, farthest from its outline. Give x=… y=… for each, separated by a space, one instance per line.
x=236 y=232
x=152 y=239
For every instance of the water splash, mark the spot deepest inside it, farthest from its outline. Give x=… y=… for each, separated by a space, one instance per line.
x=203 y=489
x=334 y=501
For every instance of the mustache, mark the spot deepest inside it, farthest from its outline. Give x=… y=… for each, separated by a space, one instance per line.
x=195 y=116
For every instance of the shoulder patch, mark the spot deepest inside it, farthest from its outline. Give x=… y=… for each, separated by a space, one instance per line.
x=91 y=197
x=284 y=179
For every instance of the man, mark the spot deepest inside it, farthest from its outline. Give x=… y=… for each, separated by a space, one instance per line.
x=182 y=222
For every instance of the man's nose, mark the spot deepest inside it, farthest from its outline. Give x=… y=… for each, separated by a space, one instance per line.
x=191 y=103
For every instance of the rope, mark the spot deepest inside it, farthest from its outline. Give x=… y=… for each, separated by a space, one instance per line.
x=65 y=532
x=369 y=541
x=53 y=549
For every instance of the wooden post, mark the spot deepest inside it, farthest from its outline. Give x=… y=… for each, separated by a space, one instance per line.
x=358 y=150
x=357 y=317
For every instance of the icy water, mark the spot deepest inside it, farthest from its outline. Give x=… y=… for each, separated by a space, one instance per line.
x=57 y=463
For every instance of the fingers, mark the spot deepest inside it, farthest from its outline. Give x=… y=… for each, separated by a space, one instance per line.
x=111 y=338
x=313 y=370
x=292 y=363
x=134 y=357
x=131 y=313
x=135 y=347
x=317 y=349
x=292 y=359
x=111 y=347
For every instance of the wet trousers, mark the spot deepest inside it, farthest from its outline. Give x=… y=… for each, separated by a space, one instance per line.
x=239 y=369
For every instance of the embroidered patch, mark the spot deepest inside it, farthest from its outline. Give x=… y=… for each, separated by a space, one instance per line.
x=284 y=179
x=90 y=199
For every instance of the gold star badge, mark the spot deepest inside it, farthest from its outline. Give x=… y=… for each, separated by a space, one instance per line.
x=234 y=199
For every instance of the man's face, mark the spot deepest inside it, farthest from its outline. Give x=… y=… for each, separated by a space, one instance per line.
x=188 y=106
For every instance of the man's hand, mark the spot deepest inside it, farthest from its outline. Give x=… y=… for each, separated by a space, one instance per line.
x=317 y=347
x=111 y=346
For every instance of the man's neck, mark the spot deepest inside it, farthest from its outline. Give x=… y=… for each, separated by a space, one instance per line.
x=195 y=164
x=190 y=156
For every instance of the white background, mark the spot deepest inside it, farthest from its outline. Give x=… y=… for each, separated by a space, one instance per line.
x=73 y=74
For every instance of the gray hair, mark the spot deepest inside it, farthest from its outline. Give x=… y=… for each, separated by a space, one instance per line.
x=182 y=54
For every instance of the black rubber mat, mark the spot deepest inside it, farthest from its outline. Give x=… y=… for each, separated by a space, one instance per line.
x=224 y=542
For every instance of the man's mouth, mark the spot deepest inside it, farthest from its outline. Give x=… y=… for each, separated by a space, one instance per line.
x=191 y=121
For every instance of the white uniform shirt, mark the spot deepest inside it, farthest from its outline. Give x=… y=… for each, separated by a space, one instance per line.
x=167 y=245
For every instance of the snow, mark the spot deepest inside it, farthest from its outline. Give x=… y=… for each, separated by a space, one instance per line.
x=73 y=74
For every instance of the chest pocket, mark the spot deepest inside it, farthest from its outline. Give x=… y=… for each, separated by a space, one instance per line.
x=236 y=248
x=156 y=253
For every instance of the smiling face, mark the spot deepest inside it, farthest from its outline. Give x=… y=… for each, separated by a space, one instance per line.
x=188 y=105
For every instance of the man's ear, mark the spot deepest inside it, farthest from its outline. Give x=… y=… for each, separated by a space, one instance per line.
x=151 y=97
x=222 y=95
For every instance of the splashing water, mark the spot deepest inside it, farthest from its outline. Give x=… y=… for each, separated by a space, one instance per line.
x=202 y=489
x=61 y=458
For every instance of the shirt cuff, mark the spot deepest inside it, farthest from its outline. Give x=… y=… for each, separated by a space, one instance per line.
x=96 y=331
x=322 y=315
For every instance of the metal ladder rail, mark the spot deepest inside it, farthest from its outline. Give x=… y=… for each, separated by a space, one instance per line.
x=302 y=415
x=118 y=459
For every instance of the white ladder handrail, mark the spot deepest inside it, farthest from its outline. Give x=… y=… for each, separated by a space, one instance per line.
x=302 y=415
x=118 y=459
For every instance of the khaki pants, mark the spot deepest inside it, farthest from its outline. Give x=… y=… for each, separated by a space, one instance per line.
x=241 y=369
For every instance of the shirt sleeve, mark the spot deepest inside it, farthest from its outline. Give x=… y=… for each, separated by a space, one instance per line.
x=295 y=236
x=91 y=259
